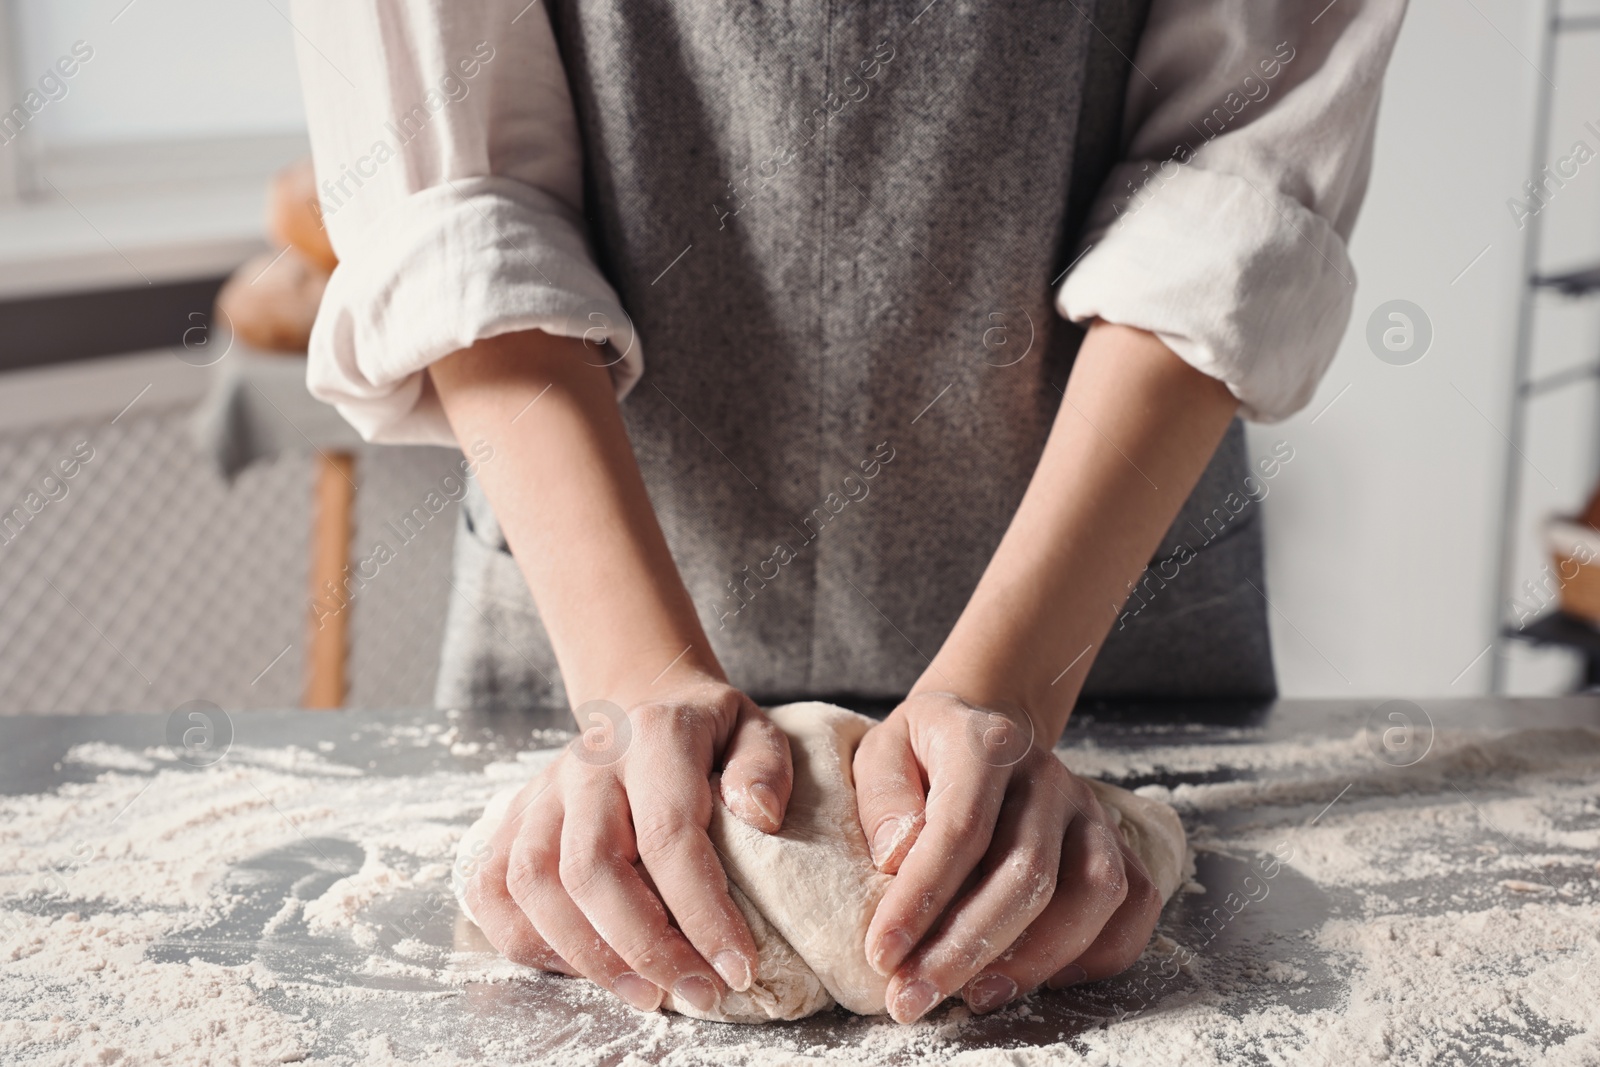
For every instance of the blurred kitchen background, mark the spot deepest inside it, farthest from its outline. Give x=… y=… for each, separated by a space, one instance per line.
x=175 y=562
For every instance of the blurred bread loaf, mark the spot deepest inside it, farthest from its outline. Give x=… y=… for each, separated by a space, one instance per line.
x=271 y=301
x=294 y=219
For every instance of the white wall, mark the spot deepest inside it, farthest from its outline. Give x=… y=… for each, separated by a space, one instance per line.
x=1382 y=533
x=161 y=69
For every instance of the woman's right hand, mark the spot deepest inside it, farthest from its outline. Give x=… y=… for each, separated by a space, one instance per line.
x=562 y=888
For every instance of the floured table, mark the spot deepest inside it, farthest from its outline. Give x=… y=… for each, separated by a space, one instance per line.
x=1376 y=882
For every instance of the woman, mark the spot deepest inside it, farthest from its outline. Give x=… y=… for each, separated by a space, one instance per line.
x=934 y=321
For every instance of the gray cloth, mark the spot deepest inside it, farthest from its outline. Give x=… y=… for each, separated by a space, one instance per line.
x=854 y=358
x=257 y=407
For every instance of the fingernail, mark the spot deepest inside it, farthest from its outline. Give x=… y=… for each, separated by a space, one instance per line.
x=767 y=801
x=914 y=1000
x=989 y=991
x=733 y=968
x=893 y=947
x=887 y=839
x=696 y=990
x=637 y=990
x=1071 y=974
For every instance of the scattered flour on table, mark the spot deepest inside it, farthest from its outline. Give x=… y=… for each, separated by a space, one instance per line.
x=100 y=754
x=1473 y=933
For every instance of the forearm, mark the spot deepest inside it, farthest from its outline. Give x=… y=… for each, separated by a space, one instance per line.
x=1135 y=430
x=567 y=491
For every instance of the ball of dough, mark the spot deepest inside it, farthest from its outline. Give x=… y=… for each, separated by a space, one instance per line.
x=809 y=891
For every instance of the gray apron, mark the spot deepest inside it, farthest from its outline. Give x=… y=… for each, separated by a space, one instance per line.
x=836 y=227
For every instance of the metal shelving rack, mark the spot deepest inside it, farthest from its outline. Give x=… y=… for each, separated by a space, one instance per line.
x=1553 y=629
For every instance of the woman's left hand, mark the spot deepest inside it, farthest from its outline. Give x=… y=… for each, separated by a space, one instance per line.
x=1008 y=873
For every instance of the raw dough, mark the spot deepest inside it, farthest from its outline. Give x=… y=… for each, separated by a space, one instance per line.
x=810 y=890
x=1154 y=833
x=813 y=880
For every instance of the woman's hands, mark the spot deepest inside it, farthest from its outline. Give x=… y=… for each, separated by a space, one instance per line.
x=1049 y=877
x=615 y=828
x=1009 y=874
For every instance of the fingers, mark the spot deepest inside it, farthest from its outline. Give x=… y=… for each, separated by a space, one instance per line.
x=1095 y=886
x=532 y=880
x=1022 y=865
x=963 y=806
x=757 y=773
x=561 y=890
x=1125 y=936
x=500 y=918
x=594 y=871
x=669 y=823
x=889 y=796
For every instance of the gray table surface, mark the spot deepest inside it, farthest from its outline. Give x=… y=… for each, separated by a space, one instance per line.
x=477 y=1018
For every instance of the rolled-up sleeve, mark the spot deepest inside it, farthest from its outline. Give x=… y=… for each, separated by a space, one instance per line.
x=1248 y=139
x=449 y=174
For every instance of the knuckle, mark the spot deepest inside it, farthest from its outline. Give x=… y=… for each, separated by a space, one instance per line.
x=653 y=720
x=1041 y=766
x=875 y=792
x=666 y=719
x=1032 y=868
x=1081 y=798
x=526 y=797
x=1122 y=960
x=1116 y=890
x=526 y=949
x=1111 y=959
x=699 y=914
x=1107 y=873
x=572 y=772
x=659 y=832
x=962 y=817
x=526 y=871
x=589 y=959
x=1127 y=949
x=1144 y=892
x=997 y=731
x=580 y=870
x=727 y=704
x=1042 y=758
x=649 y=948
x=960 y=961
